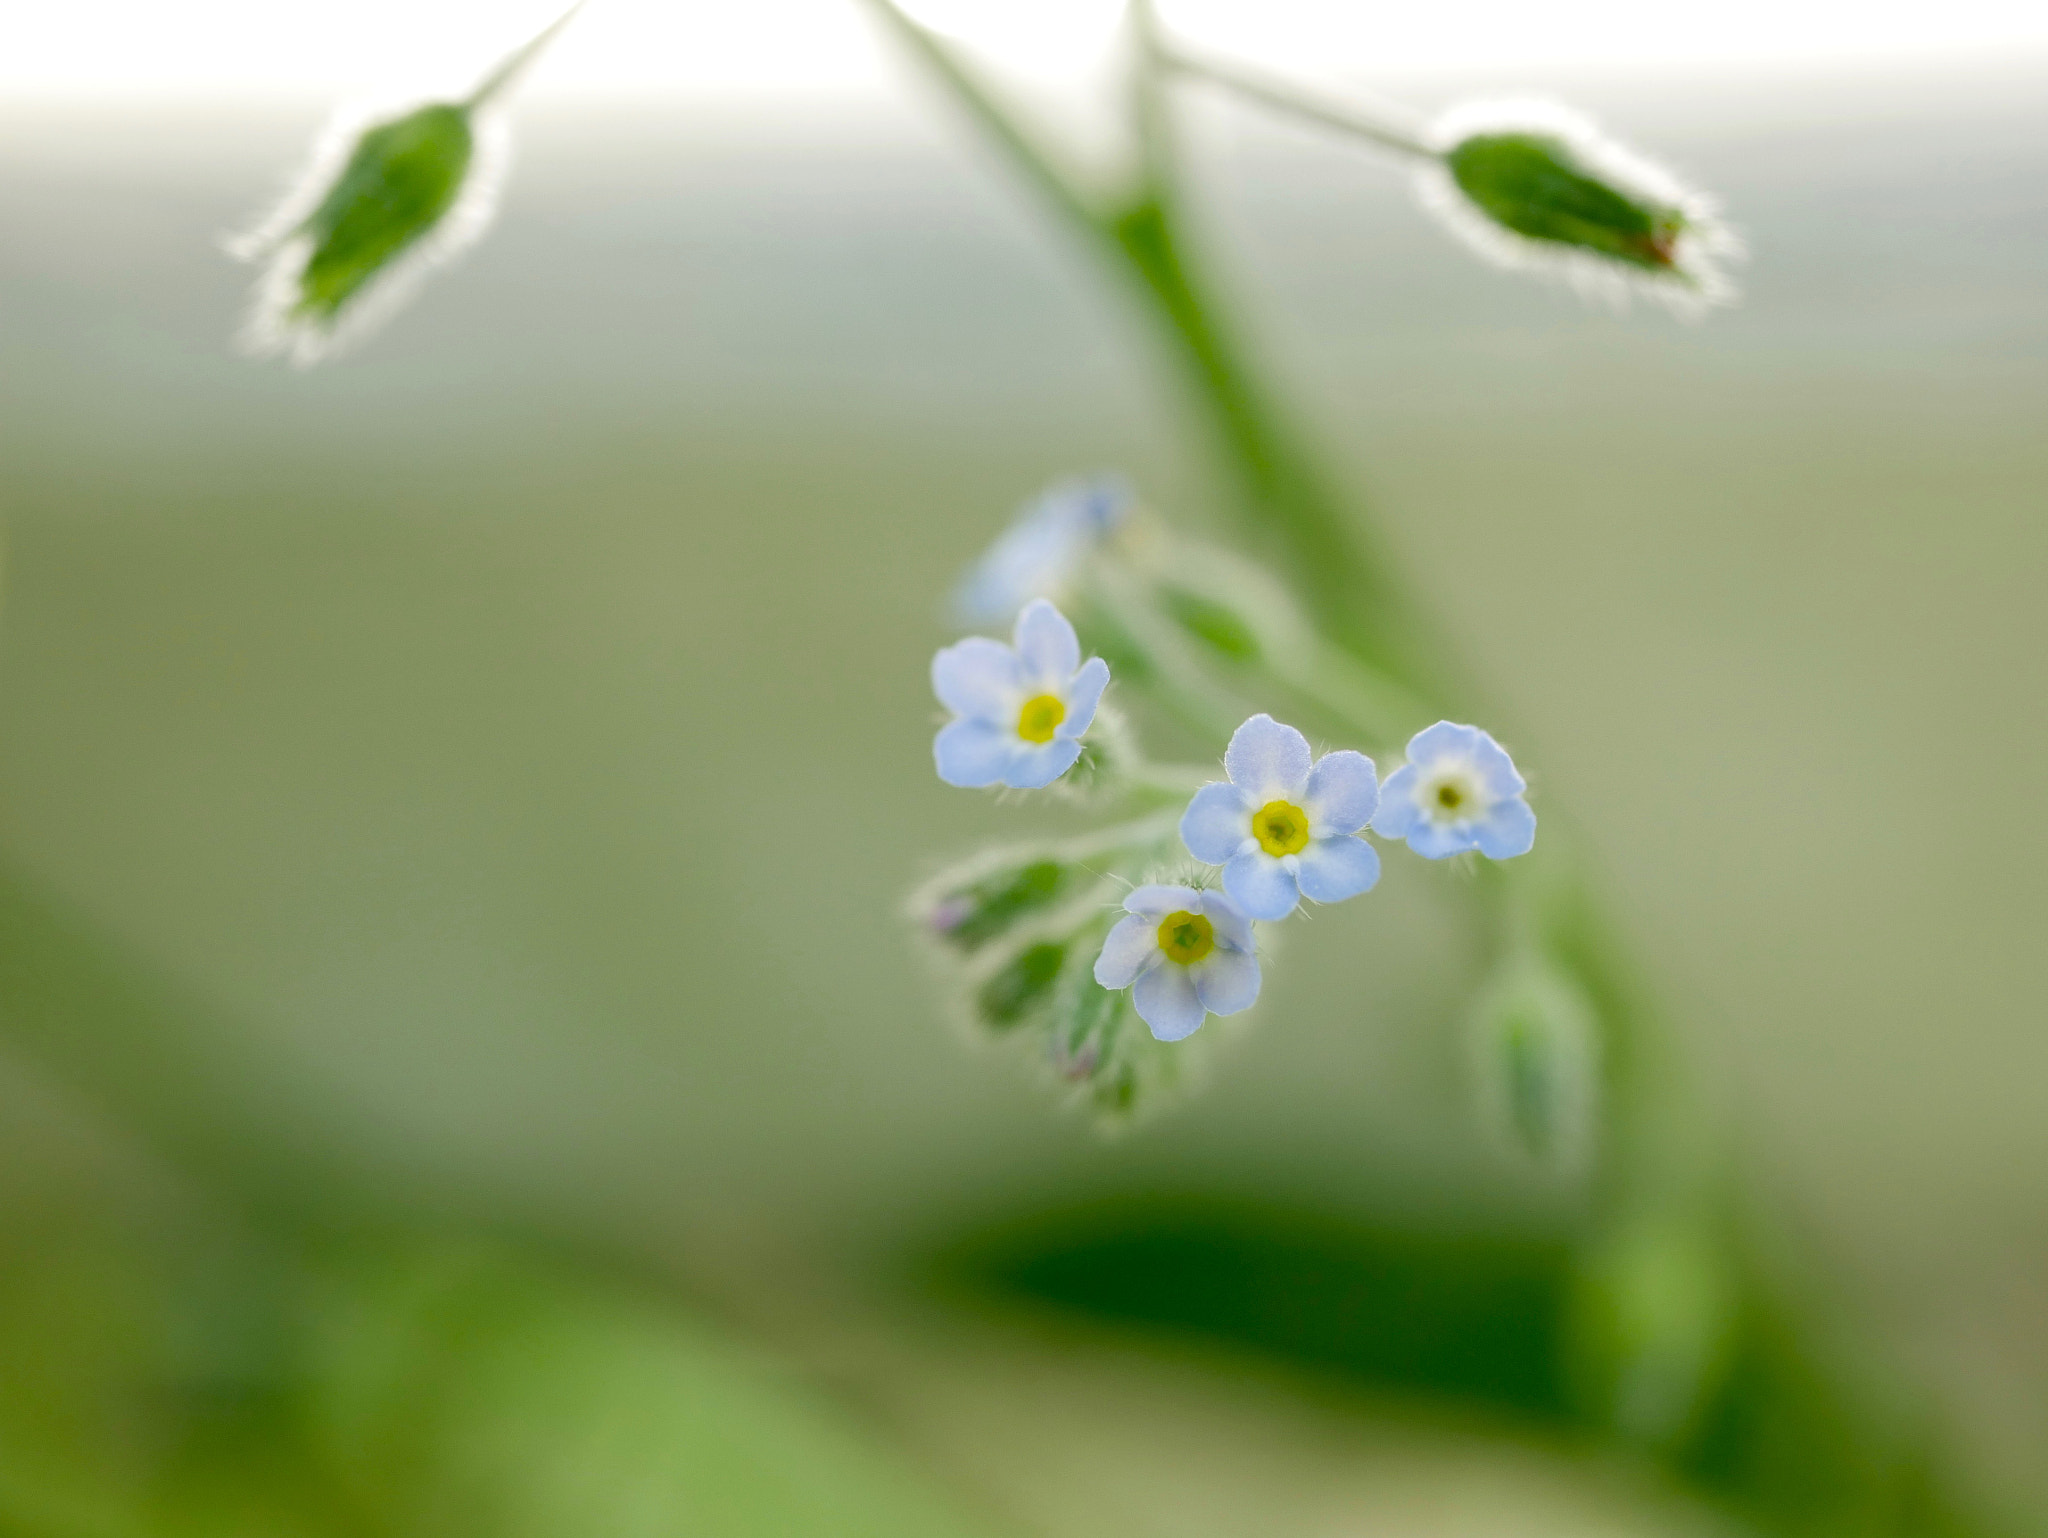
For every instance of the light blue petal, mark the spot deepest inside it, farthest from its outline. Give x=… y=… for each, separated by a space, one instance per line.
x=973 y=753
x=1130 y=947
x=976 y=678
x=1048 y=651
x=1261 y=885
x=1333 y=869
x=1342 y=793
x=1440 y=840
x=1217 y=823
x=1226 y=981
x=1508 y=830
x=1035 y=765
x=1267 y=761
x=1156 y=901
x=1083 y=695
x=1232 y=927
x=1166 y=1000
x=1496 y=770
x=1398 y=814
x=1446 y=739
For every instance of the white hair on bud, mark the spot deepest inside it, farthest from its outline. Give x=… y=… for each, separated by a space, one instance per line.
x=1698 y=281
x=271 y=328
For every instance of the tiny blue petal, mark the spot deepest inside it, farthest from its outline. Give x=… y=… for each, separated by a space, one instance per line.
x=1342 y=793
x=1131 y=946
x=972 y=754
x=1267 y=761
x=1155 y=900
x=1508 y=830
x=1226 y=981
x=1033 y=766
x=976 y=678
x=1260 y=885
x=1232 y=927
x=1166 y=1001
x=1083 y=696
x=1048 y=651
x=1333 y=869
x=1397 y=814
x=1216 y=824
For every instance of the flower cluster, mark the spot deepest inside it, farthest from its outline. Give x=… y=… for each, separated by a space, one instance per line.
x=1159 y=915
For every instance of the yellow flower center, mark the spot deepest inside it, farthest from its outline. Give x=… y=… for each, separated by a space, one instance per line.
x=1040 y=717
x=1186 y=937
x=1281 y=828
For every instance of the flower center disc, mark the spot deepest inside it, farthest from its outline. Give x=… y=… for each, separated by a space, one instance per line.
x=1186 y=937
x=1281 y=828
x=1041 y=717
x=1449 y=799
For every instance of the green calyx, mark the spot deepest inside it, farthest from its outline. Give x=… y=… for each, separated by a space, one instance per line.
x=1531 y=184
x=400 y=181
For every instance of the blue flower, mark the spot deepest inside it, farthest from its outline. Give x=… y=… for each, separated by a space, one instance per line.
x=1282 y=829
x=1188 y=952
x=1458 y=791
x=1041 y=553
x=1020 y=710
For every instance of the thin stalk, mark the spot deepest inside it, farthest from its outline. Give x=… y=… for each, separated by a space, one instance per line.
x=1391 y=128
x=516 y=63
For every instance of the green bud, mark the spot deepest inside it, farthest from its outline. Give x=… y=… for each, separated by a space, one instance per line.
x=1653 y=1323
x=402 y=179
x=380 y=205
x=384 y=199
x=1536 y=1054
x=1531 y=184
x=1020 y=985
x=967 y=912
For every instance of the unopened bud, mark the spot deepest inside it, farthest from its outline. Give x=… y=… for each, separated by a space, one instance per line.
x=1536 y=1055
x=969 y=906
x=1532 y=184
x=379 y=206
x=1653 y=1326
x=384 y=199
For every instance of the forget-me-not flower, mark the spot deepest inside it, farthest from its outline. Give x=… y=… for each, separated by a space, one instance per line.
x=1188 y=953
x=1021 y=709
x=1458 y=791
x=1281 y=828
x=1042 y=552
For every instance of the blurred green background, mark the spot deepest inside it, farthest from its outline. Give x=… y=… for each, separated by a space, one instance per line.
x=463 y=1066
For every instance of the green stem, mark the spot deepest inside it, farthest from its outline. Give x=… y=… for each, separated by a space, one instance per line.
x=500 y=79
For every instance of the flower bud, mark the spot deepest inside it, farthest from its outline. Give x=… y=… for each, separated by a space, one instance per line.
x=380 y=204
x=970 y=905
x=1536 y=1056
x=1653 y=1322
x=1531 y=184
